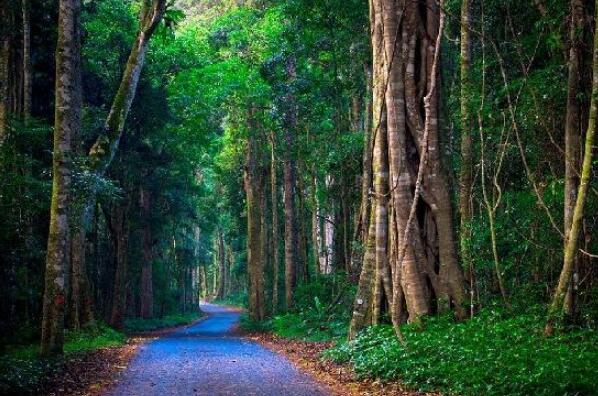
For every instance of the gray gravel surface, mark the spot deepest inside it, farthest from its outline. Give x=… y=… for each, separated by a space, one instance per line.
x=206 y=359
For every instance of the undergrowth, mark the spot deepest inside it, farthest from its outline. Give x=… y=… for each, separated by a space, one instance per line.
x=22 y=370
x=320 y=312
x=235 y=300
x=492 y=354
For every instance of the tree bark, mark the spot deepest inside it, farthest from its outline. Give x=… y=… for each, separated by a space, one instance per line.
x=221 y=266
x=363 y=218
x=121 y=243
x=27 y=82
x=413 y=243
x=103 y=150
x=67 y=123
x=465 y=175
x=572 y=132
x=255 y=264
x=147 y=288
x=291 y=241
x=275 y=227
x=5 y=18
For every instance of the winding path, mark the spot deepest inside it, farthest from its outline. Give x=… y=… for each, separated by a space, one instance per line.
x=206 y=359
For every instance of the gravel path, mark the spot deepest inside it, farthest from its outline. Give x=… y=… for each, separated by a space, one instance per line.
x=205 y=359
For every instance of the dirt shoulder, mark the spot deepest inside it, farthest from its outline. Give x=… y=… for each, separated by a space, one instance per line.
x=339 y=379
x=94 y=373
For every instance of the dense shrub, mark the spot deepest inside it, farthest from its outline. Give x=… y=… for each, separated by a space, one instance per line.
x=321 y=312
x=491 y=354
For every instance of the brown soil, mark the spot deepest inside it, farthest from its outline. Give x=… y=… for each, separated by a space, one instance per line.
x=339 y=379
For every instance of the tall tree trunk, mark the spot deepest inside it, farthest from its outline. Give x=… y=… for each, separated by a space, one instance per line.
x=315 y=246
x=572 y=234
x=67 y=123
x=363 y=218
x=413 y=242
x=465 y=176
x=27 y=82
x=80 y=309
x=121 y=243
x=572 y=133
x=255 y=264
x=203 y=282
x=275 y=227
x=291 y=240
x=5 y=19
x=221 y=265
x=147 y=288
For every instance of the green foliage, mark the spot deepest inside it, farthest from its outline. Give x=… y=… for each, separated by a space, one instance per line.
x=235 y=300
x=494 y=353
x=322 y=310
x=251 y=325
x=139 y=325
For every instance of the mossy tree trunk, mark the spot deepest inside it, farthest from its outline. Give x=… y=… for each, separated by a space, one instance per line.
x=67 y=123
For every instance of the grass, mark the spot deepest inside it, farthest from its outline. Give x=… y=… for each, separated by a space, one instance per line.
x=22 y=370
x=138 y=325
x=491 y=354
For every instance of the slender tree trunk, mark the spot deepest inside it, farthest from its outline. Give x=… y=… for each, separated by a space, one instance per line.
x=465 y=176
x=81 y=309
x=147 y=288
x=275 y=227
x=121 y=243
x=27 y=82
x=221 y=265
x=291 y=240
x=106 y=145
x=572 y=134
x=363 y=218
x=572 y=235
x=315 y=246
x=203 y=281
x=363 y=299
x=5 y=19
x=67 y=123
x=255 y=264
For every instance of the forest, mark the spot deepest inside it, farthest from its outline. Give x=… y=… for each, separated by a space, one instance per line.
x=394 y=197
